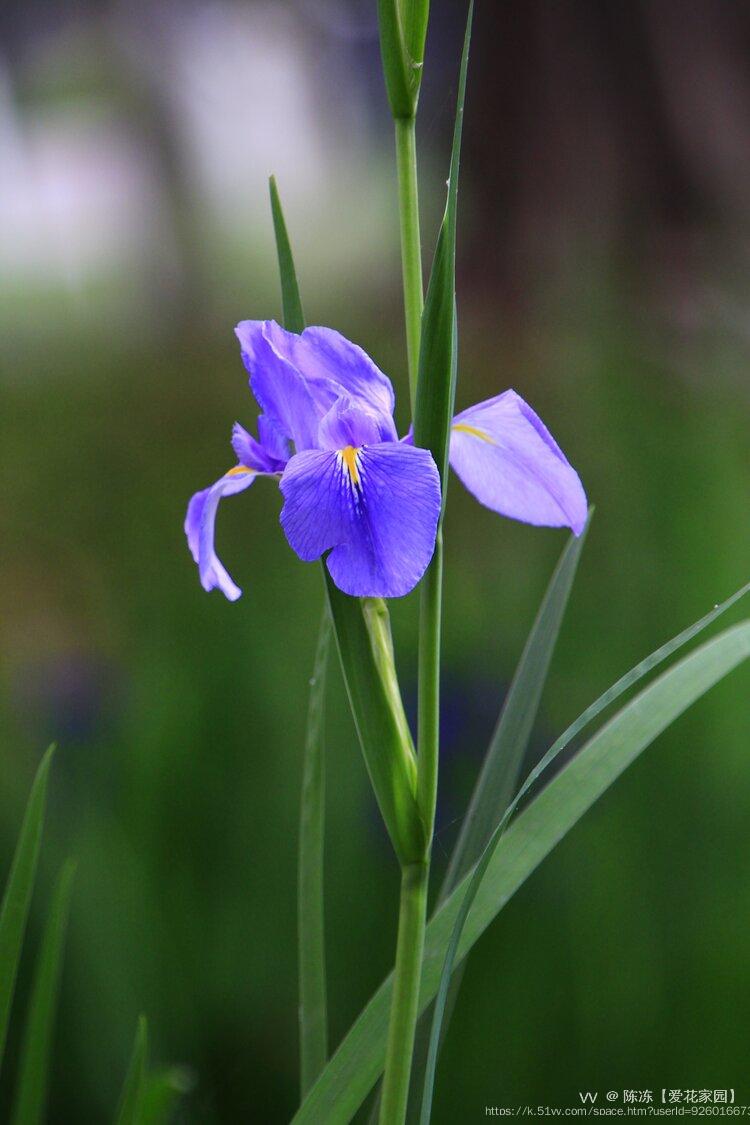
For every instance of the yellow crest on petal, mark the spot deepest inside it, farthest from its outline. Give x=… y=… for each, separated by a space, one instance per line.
x=462 y=428
x=350 y=460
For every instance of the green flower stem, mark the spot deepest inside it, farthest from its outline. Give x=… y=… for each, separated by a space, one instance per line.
x=405 y=1001
x=414 y=877
x=411 y=251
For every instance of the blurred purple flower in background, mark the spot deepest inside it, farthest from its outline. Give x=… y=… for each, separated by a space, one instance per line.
x=350 y=486
x=72 y=696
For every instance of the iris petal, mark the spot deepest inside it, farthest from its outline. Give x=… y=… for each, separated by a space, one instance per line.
x=326 y=356
x=199 y=528
x=375 y=508
x=273 y=440
x=329 y=366
x=348 y=422
x=509 y=461
x=256 y=454
x=278 y=386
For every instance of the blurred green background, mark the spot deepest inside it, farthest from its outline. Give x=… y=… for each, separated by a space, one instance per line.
x=603 y=273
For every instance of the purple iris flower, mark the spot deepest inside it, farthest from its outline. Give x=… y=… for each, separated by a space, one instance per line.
x=350 y=486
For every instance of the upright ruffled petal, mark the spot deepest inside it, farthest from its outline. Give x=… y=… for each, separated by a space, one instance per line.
x=507 y=458
x=278 y=386
x=324 y=355
x=348 y=422
x=328 y=363
x=376 y=508
x=199 y=528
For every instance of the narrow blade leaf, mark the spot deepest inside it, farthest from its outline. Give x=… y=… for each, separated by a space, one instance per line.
x=502 y=764
x=444 y=1003
x=291 y=302
x=616 y=744
x=15 y=907
x=436 y=383
x=130 y=1105
x=313 y=1017
x=445 y=998
x=607 y=698
x=436 y=393
x=33 y=1079
x=358 y=1061
x=311 y=938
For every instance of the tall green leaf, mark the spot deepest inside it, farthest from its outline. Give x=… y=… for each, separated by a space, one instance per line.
x=15 y=907
x=498 y=778
x=130 y=1105
x=435 y=398
x=373 y=697
x=313 y=1018
x=613 y=693
x=445 y=996
x=33 y=1078
x=436 y=384
x=291 y=302
x=358 y=1061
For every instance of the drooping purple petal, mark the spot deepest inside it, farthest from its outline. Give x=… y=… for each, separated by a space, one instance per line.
x=507 y=458
x=376 y=508
x=199 y=528
x=278 y=386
